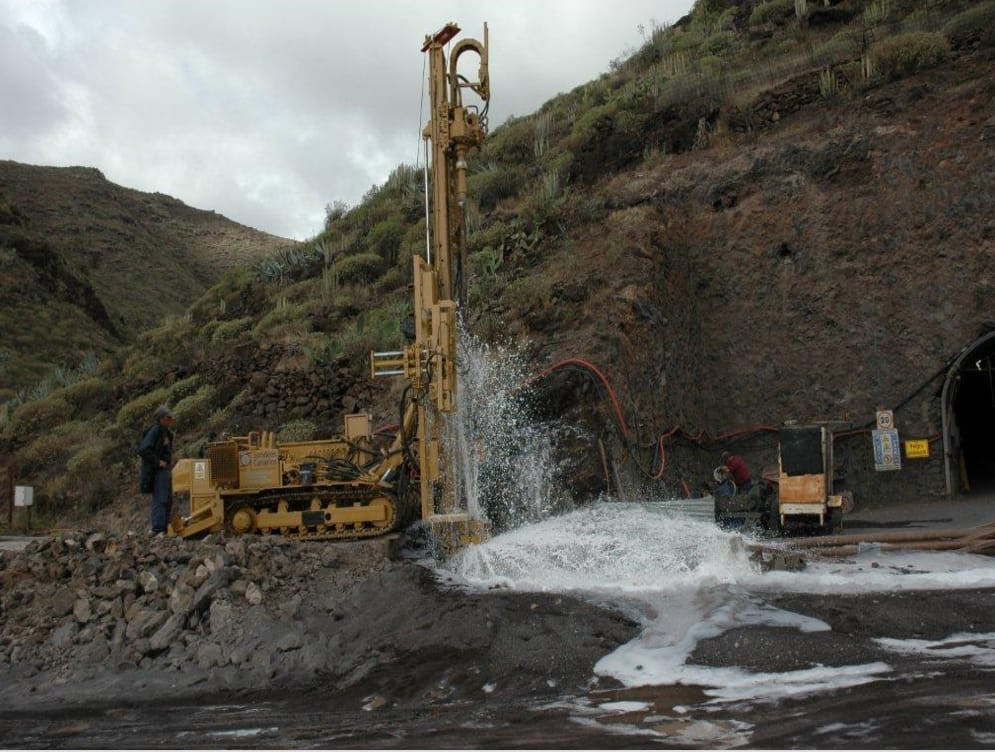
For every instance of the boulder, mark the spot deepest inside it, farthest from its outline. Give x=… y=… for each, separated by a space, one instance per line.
x=96 y=651
x=96 y=543
x=289 y=641
x=253 y=594
x=181 y=599
x=205 y=593
x=209 y=655
x=148 y=581
x=144 y=623
x=166 y=635
x=220 y=617
x=62 y=637
x=82 y=611
x=62 y=602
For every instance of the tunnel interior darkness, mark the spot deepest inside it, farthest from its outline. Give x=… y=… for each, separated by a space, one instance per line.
x=973 y=407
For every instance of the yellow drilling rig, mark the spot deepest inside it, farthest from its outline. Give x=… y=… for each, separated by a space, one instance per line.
x=349 y=486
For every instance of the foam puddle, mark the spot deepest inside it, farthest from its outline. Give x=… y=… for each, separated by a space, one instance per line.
x=686 y=581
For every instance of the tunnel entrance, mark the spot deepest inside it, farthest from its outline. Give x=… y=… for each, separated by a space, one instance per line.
x=969 y=419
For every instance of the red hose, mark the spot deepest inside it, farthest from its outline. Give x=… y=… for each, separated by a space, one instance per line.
x=662 y=439
x=619 y=417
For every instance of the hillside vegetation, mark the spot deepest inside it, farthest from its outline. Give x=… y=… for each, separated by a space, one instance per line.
x=610 y=225
x=85 y=265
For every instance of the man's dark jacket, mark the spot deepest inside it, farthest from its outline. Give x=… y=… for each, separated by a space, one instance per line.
x=154 y=448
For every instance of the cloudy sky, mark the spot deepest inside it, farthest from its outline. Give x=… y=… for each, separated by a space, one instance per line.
x=268 y=110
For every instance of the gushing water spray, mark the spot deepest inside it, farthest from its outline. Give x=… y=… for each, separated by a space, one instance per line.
x=504 y=463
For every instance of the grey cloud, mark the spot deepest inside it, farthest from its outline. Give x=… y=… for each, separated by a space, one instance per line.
x=29 y=91
x=267 y=111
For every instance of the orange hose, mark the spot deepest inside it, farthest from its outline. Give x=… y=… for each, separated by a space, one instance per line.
x=619 y=417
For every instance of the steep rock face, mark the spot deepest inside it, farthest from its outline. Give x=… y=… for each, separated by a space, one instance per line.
x=827 y=268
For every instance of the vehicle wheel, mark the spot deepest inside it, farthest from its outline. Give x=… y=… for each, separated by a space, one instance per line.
x=848 y=503
x=241 y=520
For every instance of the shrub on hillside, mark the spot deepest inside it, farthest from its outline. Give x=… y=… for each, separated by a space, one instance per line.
x=393 y=279
x=137 y=414
x=974 y=24
x=375 y=329
x=412 y=244
x=842 y=47
x=88 y=397
x=590 y=126
x=90 y=458
x=283 y=319
x=512 y=143
x=492 y=234
x=718 y=43
x=221 y=331
x=38 y=416
x=907 y=53
x=688 y=40
x=385 y=238
x=183 y=388
x=492 y=184
x=526 y=293
x=48 y=452
x=87 y=483
x=772 y=11
x=361 y=268
x=193 y=409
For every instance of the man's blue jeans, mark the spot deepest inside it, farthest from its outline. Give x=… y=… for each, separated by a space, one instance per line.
x=162 y=499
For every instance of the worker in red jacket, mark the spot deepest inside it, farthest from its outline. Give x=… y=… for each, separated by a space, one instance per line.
x=738 y=471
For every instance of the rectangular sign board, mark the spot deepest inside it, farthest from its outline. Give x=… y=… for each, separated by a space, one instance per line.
x=887 y=450
x=917 y=449
x=24 y=496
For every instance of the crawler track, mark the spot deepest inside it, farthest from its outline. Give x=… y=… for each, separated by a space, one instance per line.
x=312 y=513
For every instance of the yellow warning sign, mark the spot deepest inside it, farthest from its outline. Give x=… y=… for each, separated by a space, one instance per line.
x=917 y=449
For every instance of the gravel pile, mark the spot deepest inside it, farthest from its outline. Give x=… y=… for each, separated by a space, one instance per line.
x=95 y=619
x=78 y=604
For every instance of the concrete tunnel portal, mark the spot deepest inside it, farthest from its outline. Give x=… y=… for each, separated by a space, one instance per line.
x=968 y=405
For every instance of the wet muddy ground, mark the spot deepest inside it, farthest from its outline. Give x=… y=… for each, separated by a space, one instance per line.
x=505 y=669
x=933 y=702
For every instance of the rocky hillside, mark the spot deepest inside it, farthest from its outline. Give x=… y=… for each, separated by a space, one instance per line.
x=87 y=264
x=769 y=212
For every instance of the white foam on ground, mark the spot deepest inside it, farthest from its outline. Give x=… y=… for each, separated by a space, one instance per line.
x=242 y=733
x=624 y=706
x=687 y=580
x=977 y=649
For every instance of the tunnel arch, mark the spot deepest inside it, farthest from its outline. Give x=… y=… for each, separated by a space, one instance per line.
x=968 y=418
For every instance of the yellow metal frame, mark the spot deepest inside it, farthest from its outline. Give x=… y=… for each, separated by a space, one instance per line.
x=429 y=363
x=810 y=494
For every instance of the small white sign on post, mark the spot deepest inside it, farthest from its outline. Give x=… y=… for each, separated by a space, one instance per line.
x=885 y=419
x=24 y=496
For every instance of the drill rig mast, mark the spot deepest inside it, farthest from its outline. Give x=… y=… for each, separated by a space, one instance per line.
x=429 y=363
x=345 y=487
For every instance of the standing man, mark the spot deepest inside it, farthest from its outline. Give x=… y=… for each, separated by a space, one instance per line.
x=156 y=451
